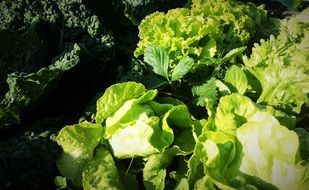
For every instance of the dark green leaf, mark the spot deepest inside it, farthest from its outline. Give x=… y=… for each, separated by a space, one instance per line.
x=158 y=58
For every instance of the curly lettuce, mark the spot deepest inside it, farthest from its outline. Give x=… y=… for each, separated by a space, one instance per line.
x=203 y=30
x=281 y=65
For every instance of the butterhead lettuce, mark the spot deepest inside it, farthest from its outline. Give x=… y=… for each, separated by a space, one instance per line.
x=129 y=123
x=249 y=147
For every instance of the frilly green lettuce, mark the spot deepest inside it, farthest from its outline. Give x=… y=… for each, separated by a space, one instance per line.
x=206 y=29
x=281 y=65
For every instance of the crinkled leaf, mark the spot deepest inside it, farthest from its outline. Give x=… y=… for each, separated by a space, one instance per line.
x=179 y=116
x=115 y=96
x=272 y=155
x=25 y=89
x=281 y=65
x=195 y=169
x=154 y=172
x=185 y=141
x=217 y=151
x=234 y=110
x=127 y=114
x=206 y=93
x=164 y=135
x=203 y=29
x=158 y=58
x=180 y=120
x=204 y=183
x=135 y=139
x=236 y=79
x=182 y=68
x=101 y=172
x=78 y=143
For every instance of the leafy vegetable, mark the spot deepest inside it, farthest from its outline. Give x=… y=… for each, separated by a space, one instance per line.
x=158 y=59
x=240 y=121
x=182 y=68
x=205 y=29
x=154 y=173
x=26 y=89
x=275 y=156
x=231 y=150
x=236 y=79
x=101 y=172
x=112 y=100
x=78 y=143
x=27 y=160
x=42 y=41
x=280 y=65
x=129 y=119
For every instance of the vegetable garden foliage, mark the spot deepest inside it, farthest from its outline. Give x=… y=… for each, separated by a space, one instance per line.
x=198 y=94
x=43 y=40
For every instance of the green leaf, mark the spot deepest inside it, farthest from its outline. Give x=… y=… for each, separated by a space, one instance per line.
x=158 y=58
x=154 y=172
x=223 y=90
x=291 y=4
x=196 y=170
x=114 y=97
x=236 y=79
x=101 y=172
x=206 y=93
x=127 y=114
x=180 y=120
x=185 y=141
x=26 y=89
x=60 y=182
x=281 y=65
x=272 y=155
x=217 y=151
x=182 y=68
x=232 y=54
x=183 y=185
x=135 y=139
x=205 y=183
x=78 y=143
x=303 y=136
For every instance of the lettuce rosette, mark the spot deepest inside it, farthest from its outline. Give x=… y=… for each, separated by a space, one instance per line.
x=130 y=123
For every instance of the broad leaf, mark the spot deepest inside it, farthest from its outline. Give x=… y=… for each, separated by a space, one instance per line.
x=272 y=155
x=182 y=68
x=115 y=96
x=236 y=79
x=206 y=93
x=78 y=143
x=101 y=172
x=158 y=58
x=154 y=172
